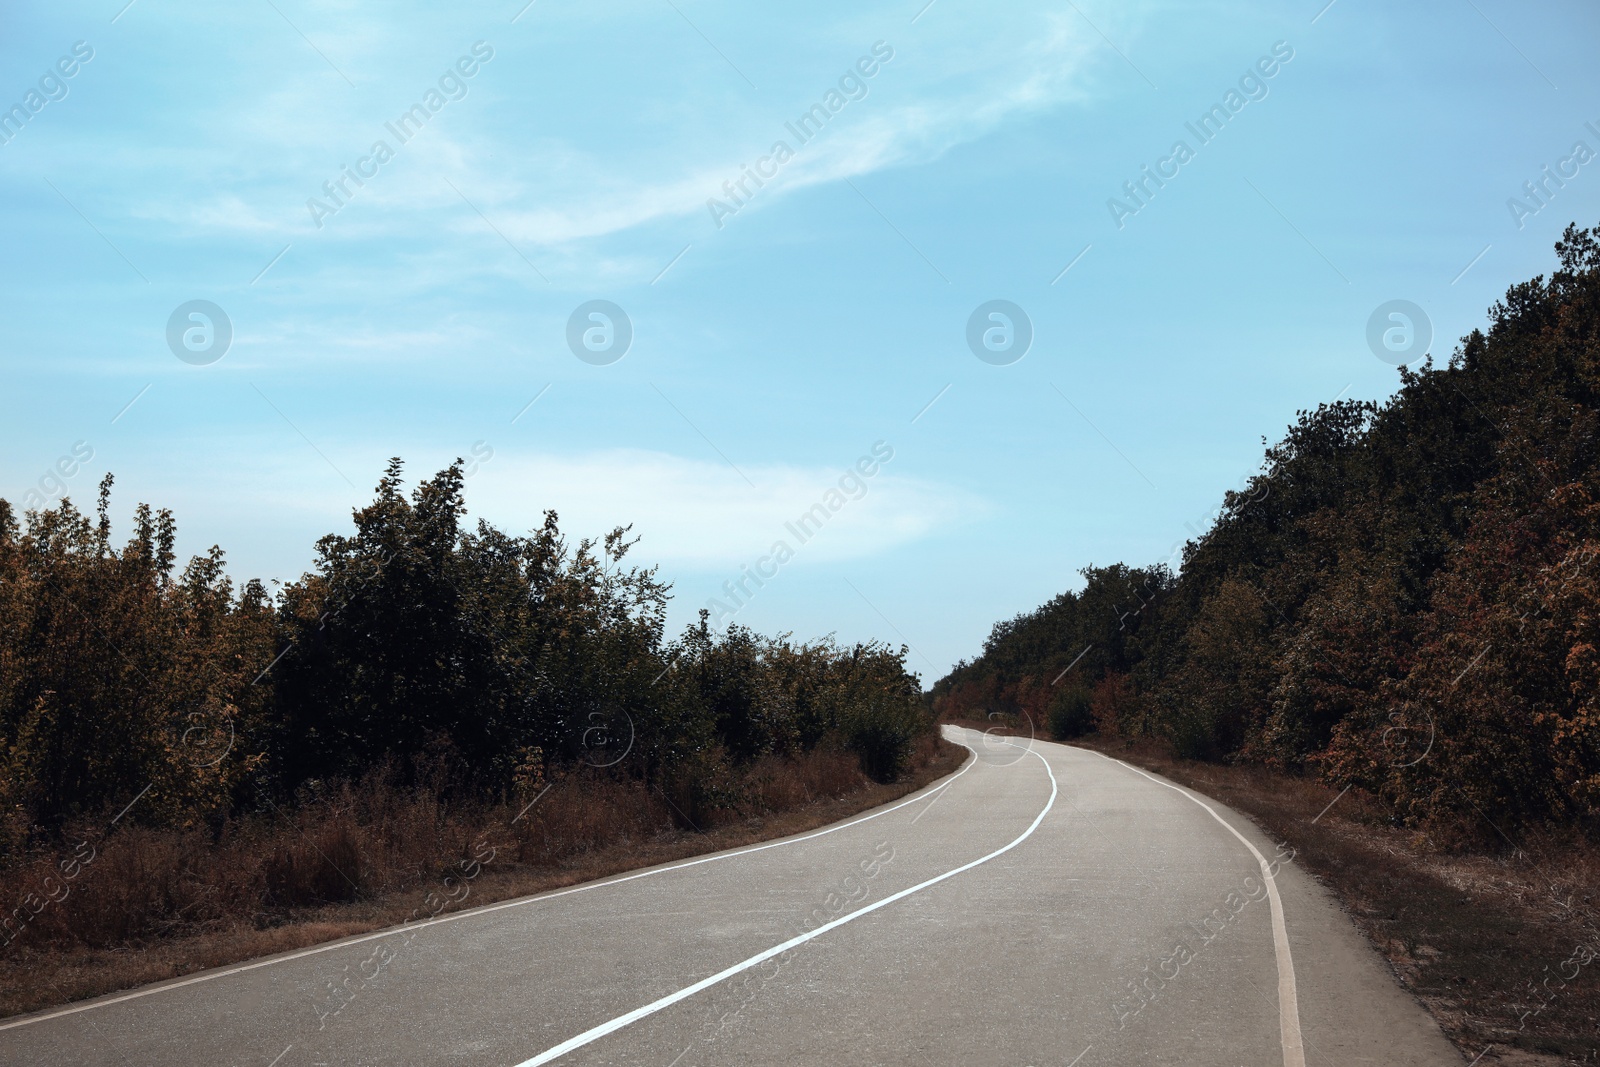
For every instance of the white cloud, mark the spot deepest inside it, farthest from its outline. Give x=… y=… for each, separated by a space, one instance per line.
x=953 y=91
x=268 y=505
x=698 y=513
x=559 y=183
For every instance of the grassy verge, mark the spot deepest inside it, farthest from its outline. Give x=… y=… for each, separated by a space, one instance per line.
x=148 y=906
x=1500 y=949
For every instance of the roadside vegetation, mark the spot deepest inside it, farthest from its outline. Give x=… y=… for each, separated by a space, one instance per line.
x=1400 y=608
x=185 y=758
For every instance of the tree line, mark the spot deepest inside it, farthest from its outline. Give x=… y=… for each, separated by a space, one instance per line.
x=133 y=690
x=1405 y=599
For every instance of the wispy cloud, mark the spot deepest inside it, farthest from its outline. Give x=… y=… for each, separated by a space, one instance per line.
x=688 y=513
x=561 y=183
x=697 y=513
x=931 y=98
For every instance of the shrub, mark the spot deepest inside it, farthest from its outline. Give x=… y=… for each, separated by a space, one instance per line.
x=1070 y=714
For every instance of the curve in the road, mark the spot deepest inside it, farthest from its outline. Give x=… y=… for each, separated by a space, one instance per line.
x=612 y=1026
x=208 y=976
x=1294 y=1054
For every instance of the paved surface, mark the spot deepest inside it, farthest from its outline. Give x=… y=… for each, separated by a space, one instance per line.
x=1044 y=906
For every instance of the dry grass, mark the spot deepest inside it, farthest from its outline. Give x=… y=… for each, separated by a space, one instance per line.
x=152 y=905
x=1479 y=939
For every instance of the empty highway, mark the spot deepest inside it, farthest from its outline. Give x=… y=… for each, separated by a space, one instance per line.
x=1045 y=905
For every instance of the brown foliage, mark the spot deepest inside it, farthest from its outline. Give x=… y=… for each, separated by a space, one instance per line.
x=1112 y=702
x=149 y=904
x=374 y=839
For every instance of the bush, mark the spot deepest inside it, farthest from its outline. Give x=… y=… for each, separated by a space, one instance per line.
x=1071 y=714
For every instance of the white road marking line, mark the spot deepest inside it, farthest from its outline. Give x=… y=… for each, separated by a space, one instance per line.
x=597 y=1032
x=1294 y=1054
x=471 y=913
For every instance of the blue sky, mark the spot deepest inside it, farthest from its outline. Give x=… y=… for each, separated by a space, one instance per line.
x=773 y=345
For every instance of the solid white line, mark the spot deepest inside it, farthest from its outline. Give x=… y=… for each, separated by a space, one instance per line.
x=597 y=1032
x=1294 y=1054
x=473 y=912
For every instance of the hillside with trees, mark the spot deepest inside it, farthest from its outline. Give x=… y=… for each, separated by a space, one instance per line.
x=1404 y=600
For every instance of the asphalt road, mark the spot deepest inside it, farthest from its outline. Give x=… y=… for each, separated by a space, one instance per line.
x=1044 y=906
